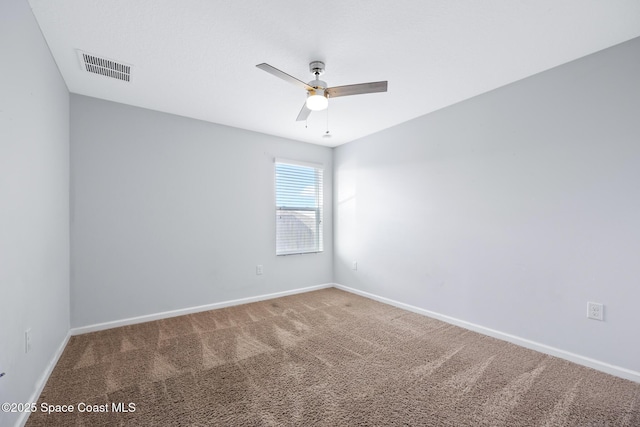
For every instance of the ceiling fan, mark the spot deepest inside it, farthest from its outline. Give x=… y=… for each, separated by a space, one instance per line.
x=317 y=90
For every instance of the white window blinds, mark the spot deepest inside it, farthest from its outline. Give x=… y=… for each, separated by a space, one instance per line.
x=298 y=208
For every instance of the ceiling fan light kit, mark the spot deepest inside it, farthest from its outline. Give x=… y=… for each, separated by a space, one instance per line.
x=317 y=90
x=317 y=101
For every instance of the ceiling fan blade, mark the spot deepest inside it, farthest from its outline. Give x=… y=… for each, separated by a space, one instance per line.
x=358 y=89
x=304 y=113
x=284 y=76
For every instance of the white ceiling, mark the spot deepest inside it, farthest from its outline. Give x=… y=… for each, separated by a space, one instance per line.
x=197 y=58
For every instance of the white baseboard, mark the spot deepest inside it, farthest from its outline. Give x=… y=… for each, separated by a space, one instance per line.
x=190 y=310
x=22 y=420
x=542 y=348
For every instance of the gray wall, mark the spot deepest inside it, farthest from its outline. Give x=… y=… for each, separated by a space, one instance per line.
x=510 y=210
x=170 y=213
x=34 y=205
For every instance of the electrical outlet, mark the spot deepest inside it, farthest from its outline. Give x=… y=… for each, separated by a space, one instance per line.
x=27 y=340
x=595 y=311
x=354 y=265
x=259 y=269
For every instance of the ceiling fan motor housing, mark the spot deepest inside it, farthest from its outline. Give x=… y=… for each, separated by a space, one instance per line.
x=319 y=85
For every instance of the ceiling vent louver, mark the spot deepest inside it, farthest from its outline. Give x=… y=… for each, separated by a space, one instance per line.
x=105 y=67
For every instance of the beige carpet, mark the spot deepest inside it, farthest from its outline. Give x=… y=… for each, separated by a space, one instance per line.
x=327 y=358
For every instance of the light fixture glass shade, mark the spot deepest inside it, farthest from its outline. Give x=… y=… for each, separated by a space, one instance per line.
x=317 y=102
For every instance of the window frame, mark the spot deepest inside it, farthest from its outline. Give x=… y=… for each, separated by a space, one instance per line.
x=318 y=209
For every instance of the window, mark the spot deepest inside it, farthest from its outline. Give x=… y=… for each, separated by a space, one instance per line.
x=298 y=208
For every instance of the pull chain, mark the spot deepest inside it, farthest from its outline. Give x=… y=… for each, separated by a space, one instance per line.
x=326 y=134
